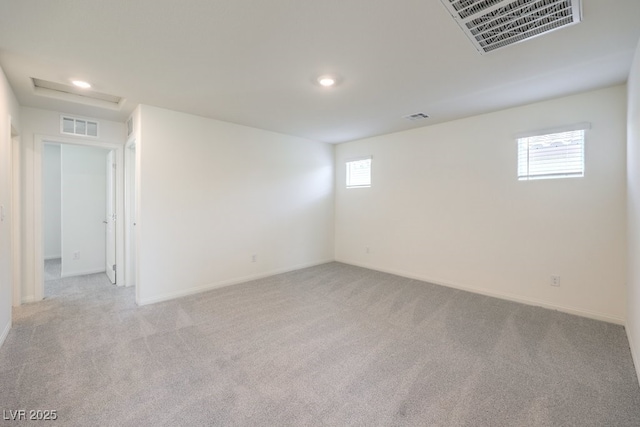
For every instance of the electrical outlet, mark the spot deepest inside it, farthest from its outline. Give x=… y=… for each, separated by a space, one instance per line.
x=254 y=258
x=555 y=280
x=76 y=255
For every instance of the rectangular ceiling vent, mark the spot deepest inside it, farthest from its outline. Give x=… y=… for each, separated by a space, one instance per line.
x=130 y=126
x=416 y=116
x=493 y=24
x=74 y=94
x=78 y=126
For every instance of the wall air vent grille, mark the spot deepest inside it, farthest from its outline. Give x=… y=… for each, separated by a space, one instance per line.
x=492 y=24
x=416 y=116
x=78 y=126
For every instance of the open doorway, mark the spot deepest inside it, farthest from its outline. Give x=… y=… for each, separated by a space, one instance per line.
x=78 y=185
x=79 y=259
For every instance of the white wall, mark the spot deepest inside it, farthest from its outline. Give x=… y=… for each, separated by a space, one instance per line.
x=212 y=194
x=446 y=206
x=35 y=121
x=84 y=181
x=9 y=115
x=51 y=194
x=633 y=209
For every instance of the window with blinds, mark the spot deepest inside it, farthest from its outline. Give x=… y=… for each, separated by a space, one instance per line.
x=359 y=172
x=553 y=155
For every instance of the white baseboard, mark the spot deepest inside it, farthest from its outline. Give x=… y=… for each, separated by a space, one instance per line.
x=186 y=292
x=83 y=273
x=634 y=355
x=502 y=295
x=5 y=333
x=49 y=257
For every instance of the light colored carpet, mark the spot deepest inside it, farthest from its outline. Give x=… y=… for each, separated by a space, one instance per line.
x=331 y=345
x=55 y=285
x=52 y=269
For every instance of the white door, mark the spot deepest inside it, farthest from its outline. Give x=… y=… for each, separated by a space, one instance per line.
x=110 y=221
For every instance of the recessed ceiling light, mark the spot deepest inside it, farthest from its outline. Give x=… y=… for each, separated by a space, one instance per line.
x=327 y=81
x=81 y=84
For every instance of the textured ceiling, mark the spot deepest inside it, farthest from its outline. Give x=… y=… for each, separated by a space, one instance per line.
x=254 y=62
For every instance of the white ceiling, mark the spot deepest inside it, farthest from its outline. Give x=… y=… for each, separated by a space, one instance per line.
x=254 y=62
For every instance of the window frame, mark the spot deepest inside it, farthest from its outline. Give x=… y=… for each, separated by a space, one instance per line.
x=584 y=126
x=348 y=173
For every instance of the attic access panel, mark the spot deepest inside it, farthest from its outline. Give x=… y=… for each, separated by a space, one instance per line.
x=493 y=24
x=73 y=94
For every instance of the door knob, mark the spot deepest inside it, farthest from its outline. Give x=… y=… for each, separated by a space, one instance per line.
x=105 y=222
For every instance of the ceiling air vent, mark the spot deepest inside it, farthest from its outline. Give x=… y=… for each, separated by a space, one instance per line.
x=416 y=116
x=130 y=126
x=492 y=24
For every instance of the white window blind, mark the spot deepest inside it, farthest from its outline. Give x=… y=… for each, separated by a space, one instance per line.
x=553 y=155
x=359 y=172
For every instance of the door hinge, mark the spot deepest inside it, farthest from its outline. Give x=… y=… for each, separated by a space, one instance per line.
x=114 y=165
x=114 y=267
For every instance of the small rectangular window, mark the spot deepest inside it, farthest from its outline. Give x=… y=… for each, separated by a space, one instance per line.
x=553 y=155
x=359 y=172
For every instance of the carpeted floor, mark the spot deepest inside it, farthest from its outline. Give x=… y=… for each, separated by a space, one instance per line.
x=331 y=345
x=55 y=285
x=52 y=269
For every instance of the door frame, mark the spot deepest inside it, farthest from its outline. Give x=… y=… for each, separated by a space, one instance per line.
x=130 y=205
x=110 y=232
x=38 y=234
x=16 y=229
